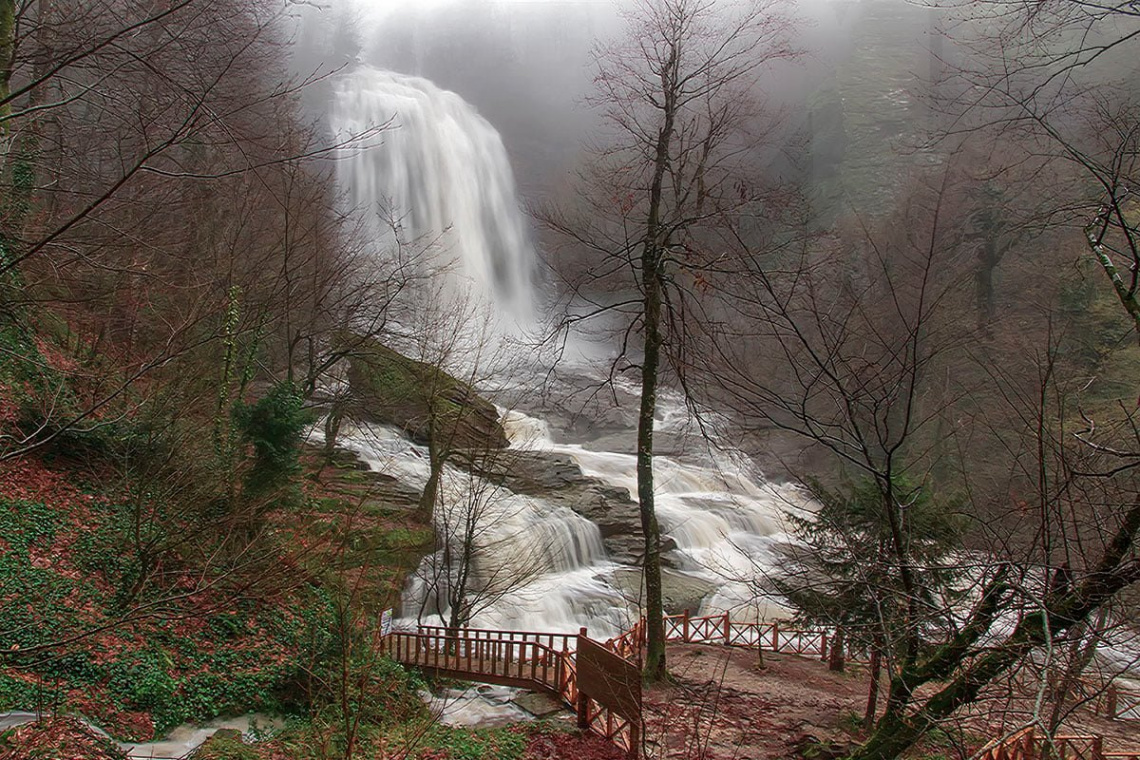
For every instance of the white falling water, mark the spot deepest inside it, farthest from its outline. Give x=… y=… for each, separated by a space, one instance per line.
x=443 y=171
x=726 y=522
x=539 y=566
x=440 y=170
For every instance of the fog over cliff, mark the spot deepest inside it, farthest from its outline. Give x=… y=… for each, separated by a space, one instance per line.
x=846 y=105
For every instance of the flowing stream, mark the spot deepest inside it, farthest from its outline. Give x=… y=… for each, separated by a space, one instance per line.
x=178 y=743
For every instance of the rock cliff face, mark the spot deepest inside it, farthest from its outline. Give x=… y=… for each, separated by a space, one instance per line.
x=429 y=405
x=556 y=478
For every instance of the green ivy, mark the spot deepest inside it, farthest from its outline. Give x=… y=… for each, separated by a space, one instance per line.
x=44 y=609
x=273 y=425
x=479 y=744
x=141 y=680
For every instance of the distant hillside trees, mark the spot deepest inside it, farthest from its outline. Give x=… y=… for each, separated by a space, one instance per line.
x=175 y=265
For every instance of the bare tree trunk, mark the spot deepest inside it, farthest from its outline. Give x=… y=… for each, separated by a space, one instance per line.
x=1080 y=654
x=7 y=48
x=437 y=458
x=652 y=266
x=836 y=655
x=873 y=688
x=654 y=605
x=332 y=429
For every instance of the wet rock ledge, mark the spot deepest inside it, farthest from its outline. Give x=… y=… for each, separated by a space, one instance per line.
x=556 y=478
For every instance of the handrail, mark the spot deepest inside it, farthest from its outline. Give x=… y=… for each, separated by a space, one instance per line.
x=721 y=629
x=1120 y=703
x=506 y=657
x=563 y=641
x=1026 y=745
x=1019 y=746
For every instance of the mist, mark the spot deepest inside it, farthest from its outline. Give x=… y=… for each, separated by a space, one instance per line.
x=844 y=105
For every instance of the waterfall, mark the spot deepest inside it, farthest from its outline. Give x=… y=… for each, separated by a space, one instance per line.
x=441 y=173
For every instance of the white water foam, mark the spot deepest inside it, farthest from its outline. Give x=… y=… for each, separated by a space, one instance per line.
x=440 y=170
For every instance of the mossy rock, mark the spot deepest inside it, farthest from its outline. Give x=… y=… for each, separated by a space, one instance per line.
x=427 y=403
x=225 y=744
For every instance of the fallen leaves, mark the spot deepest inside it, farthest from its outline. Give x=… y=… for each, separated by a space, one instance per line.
x=58 y=738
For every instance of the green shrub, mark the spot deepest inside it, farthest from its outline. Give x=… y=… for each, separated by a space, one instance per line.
x=273 y=425
x=478 y=744
x=141 y=680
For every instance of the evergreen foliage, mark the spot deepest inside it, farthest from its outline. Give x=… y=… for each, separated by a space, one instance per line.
x=844 y=576
x=273 y=426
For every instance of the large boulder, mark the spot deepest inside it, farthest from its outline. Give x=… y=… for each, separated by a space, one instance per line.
x=427 y=403
x=557 y=479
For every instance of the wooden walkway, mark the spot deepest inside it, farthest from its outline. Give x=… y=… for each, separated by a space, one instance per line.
x=547 y=663
x=543 y=662
x=506 y=658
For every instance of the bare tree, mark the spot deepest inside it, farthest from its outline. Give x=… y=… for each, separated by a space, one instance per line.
x=677 y=93
x=862 y=349
x=144 y=195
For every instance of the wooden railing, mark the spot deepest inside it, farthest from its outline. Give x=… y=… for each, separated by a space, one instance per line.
x=525 y=664
x=1019 y=746
x=722 y=629
x=1120 y=703
x=546 y=662
x=1025 y=745
x=630 y=644
x=561 y=642
x=530 y=660
x=1110 y=700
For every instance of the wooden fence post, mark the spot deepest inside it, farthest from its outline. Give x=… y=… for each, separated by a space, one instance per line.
x=634 y=740
x=1098 y=748
x=727 y=630
x=685 y=626
x=775 y=635
x=823 y=646
x=1111 y=697
x=583 y=700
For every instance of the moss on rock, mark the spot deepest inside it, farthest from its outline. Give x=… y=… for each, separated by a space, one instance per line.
x=427 y=403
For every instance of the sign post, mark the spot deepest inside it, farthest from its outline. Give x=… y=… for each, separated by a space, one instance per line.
x=385 y=628
x=611 y=681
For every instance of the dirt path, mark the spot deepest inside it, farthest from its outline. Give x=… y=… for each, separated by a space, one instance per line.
x=723 y=705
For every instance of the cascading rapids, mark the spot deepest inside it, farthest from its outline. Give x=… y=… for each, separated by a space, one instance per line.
x=438 y=170
x=442 y=171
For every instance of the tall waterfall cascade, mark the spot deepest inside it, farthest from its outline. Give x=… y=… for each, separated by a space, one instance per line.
x=436 y=172
x=443 y=174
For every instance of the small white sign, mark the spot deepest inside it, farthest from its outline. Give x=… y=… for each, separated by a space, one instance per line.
x=386 y=622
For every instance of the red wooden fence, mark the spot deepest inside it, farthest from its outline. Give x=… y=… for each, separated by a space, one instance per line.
x=722 y=629
x=547 y=662
x=543 y=662
x=1026 y=745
